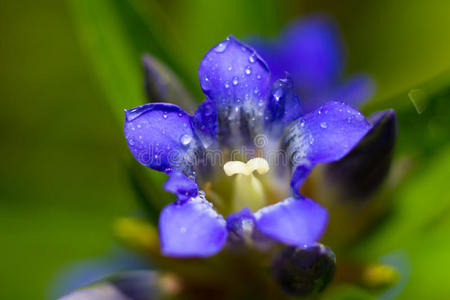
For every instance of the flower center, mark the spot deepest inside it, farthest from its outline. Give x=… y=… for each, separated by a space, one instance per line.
x=248 y=190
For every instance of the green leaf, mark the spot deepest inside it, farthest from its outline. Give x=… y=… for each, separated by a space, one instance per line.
x=115 y=62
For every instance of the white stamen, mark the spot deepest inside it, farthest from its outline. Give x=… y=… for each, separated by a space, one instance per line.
x=248 y=191
x=257 y=164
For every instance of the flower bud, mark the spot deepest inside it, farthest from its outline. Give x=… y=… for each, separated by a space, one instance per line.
x=358 y=175
x=304 y=271
x=161 y=84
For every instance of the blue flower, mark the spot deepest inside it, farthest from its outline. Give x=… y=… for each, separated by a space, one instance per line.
x=312 y=51
x=243 y=154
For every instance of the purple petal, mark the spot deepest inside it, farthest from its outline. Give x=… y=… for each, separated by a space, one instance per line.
x=232 y=73
x=355 y=90
x=325 y=135
x=293 y=221
x=283 y=107
x=235 y=77
x=160 y=136
x=182 y=186
x=191 y=229
x=335 y=128
x=205 y=122
x=313 y=53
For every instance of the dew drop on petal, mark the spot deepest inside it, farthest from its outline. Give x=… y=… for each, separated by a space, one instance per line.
x=248 y=70
x=235 y=80
x=323 y=125
x=278 y=93
x=251 y=58
x=205 y=83
x=185 y=139
x=221 y=47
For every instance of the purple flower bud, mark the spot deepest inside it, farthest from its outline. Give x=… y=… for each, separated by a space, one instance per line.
x=162 y=85
x=304 y=271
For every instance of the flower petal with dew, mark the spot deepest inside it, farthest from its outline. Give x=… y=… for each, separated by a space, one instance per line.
x=246 y=188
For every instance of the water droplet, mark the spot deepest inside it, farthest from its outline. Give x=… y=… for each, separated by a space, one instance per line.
x=248 y=70
x=230 y=68
x=258 y=76
x=227 y=85
x=205 y=83
x=278 y=93
x=302 y=123
x=186 y=139
x=138 y=126
x=221 y=47
x=131 y=142
x=323 y=125
x=235 y=80
x=165 y=115
x=256 y=91
x=251 y=58
x=180 y=115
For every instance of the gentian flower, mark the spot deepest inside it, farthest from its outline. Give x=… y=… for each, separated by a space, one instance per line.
x=236 y=164
x=312 y=51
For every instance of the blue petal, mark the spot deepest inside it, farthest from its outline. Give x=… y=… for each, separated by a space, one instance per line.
x=191 y=229
x=234 y=76
x=311 y=50
x=232 y=72
x=313 y=53
x=205 y=122
x=325 y=135
x=283 y=107
x=160 y=136
x=181 y=185
x=355 y=90
x=293 y=221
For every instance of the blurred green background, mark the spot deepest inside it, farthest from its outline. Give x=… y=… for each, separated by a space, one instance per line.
x=69 y=68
